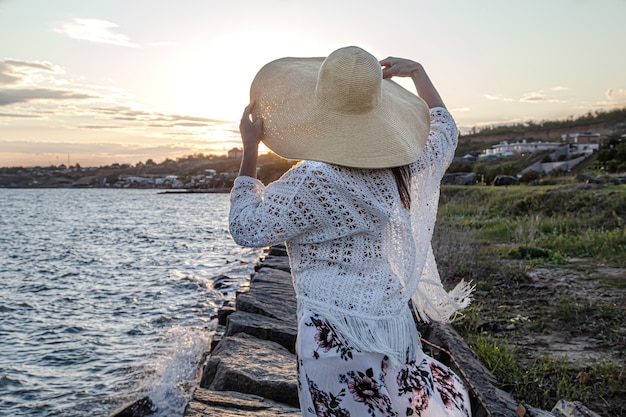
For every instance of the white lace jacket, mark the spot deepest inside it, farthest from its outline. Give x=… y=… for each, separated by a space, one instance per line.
x=357 y=256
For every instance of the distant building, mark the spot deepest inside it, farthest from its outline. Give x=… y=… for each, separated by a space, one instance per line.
x=585 y=140
x=505 y=148
x=235 y=153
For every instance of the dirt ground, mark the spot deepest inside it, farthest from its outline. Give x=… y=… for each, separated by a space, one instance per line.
x=565 y=311
x=575 y=313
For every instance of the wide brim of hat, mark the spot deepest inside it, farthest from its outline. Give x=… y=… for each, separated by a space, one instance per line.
x=296 y=127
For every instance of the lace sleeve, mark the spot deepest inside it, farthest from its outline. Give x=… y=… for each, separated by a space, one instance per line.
x=261 y=216
x=441 y=144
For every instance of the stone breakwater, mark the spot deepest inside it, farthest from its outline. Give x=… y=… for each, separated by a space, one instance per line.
x=251 y=368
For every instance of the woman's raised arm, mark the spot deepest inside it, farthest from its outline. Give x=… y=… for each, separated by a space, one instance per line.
x=401 y=67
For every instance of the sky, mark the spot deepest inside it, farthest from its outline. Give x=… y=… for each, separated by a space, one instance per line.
x=103 y=81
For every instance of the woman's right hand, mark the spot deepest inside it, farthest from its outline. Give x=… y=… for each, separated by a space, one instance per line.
x=251 y=134
x=251 y=130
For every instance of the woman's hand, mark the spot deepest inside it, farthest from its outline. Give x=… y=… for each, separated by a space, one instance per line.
x=251 y=131
x=251 y=134
x=400 y=67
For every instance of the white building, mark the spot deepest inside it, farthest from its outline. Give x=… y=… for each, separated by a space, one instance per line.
x=505 y=148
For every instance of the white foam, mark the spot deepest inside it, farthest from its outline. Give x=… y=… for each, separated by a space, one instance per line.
x=177 y=371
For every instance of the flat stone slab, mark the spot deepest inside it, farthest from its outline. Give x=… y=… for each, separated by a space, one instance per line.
x=276 y=262
x=245 y=364
x=273 y=275
x=271 y=294
x=208 y=403
x=278 y=250
x=262 y=327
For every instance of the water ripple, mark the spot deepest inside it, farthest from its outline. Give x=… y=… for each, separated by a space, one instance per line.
x=107 y=296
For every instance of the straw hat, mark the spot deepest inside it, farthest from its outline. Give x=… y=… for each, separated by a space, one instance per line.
x=339 y=110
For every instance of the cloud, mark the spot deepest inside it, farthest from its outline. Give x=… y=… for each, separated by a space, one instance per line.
x=155 y=119
x=94 y=30
x=14 y=72
x=497 y=97
x=38 y=97
x=104 y=102
x=615 y=94
x=18 y=115
x=8 y=97
x=538 y=97
x=533 y=97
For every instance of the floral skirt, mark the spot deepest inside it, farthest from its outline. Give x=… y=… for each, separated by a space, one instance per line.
x=336 y=379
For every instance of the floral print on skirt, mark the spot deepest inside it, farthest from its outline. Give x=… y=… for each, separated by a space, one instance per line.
x=337 y=380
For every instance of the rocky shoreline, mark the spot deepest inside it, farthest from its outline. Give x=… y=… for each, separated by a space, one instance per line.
x=251 y=368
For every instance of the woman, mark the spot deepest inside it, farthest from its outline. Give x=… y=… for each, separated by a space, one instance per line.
x=357 y=217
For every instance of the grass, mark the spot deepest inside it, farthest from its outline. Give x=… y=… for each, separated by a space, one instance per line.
x=495 y=237
x=545 y=379
x=573 y=221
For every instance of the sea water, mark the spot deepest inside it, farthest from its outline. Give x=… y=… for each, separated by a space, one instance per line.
x=107 y=296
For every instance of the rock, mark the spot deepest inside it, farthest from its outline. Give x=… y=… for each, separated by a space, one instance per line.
x=223 y=313
x=278 y=250
x=276 y=262
x=274 y=276
x=208 y=403
x=469 y=179
x=572 y=409
x=606 y=179
x=505 y=180
x=584 y=176
x=263 y=327
x=221 y=281
x=271 y=294
x=139 y=408
x=249 y=365
x=460 y=178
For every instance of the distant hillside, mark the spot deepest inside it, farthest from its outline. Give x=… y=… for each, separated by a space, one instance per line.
x=604 y=122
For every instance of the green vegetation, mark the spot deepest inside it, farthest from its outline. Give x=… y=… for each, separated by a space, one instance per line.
x=547 y=379
x=612 y=155
x=577 y=220
x=548 y=265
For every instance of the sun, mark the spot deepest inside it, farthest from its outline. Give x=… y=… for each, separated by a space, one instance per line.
x=199 y=90
x=214 y=81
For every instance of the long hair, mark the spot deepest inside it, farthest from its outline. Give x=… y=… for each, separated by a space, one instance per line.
x=402 y=175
